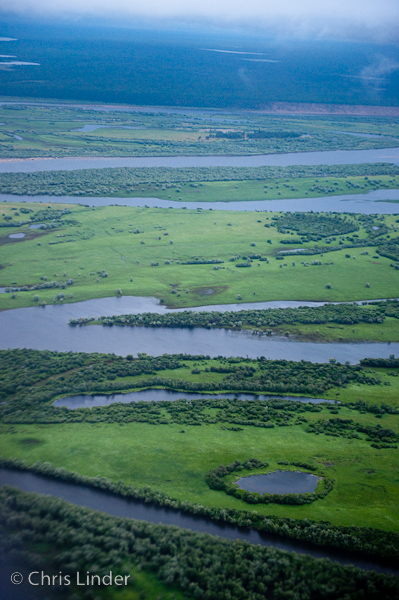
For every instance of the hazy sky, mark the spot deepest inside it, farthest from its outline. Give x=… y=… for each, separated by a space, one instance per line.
x=358 y=19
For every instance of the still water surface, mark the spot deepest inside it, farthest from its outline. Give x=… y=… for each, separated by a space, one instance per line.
x=48 y=329
x=279 y=482
x=16 y=236
x=383 y=202
x=88 y=401
x=328 y=157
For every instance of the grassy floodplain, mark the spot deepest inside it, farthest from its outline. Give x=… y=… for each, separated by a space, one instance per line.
x=140 y=251
x=172 y=446
x=366 y=480
x=54 y=132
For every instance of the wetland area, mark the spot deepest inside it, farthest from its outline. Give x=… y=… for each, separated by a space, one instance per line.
x=194 y=334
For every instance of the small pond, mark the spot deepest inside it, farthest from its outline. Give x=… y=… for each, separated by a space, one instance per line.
x=16 y=236
x=279 y=482
x=36 y=225
x=86 y=401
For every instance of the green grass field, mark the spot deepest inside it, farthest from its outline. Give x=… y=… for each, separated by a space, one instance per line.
x=267 y=189
x=388 y=331
x=148 y=263
x=366 y=480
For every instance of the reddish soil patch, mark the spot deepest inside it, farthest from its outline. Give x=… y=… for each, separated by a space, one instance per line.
x=210 y=291
x=329 y=109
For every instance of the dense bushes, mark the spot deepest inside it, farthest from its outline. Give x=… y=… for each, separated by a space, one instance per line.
x=201 y=565
x=315 y=225
x=107 y=181
x=378 y=435
x=390 y=249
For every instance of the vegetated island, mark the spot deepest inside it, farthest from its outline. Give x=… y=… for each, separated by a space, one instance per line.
x=206 y=184
x=182 y=257
x=376 y=320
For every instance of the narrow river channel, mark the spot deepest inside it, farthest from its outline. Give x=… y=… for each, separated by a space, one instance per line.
x=120 y=507
x=327 y=157
x=382 y=202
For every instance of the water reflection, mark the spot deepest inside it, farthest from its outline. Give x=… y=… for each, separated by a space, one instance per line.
x=279 y=482
x=89 y=401
x=48 y=329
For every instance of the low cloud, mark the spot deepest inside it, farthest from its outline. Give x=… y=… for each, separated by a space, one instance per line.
x=363 y=19
x=374 y=75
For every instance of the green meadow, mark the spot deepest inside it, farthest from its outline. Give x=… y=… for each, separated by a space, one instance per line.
x=176 y=459
x=139 y=251
x=267 y=189
x=174 y=452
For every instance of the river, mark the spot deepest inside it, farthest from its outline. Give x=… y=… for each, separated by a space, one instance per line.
x=47 y=329
x=382 y=202
x=328 y=157
x=120 y=507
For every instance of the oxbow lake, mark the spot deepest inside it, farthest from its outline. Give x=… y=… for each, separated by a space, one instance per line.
x=89 y=401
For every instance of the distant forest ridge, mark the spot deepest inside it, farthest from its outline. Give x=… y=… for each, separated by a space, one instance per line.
x=152 y=68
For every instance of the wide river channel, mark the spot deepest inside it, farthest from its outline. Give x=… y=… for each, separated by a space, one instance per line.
x=48 y=329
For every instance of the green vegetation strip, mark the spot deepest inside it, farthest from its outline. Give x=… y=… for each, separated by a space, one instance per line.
x=258 y=320
x=206 y=184
x=198 y=564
